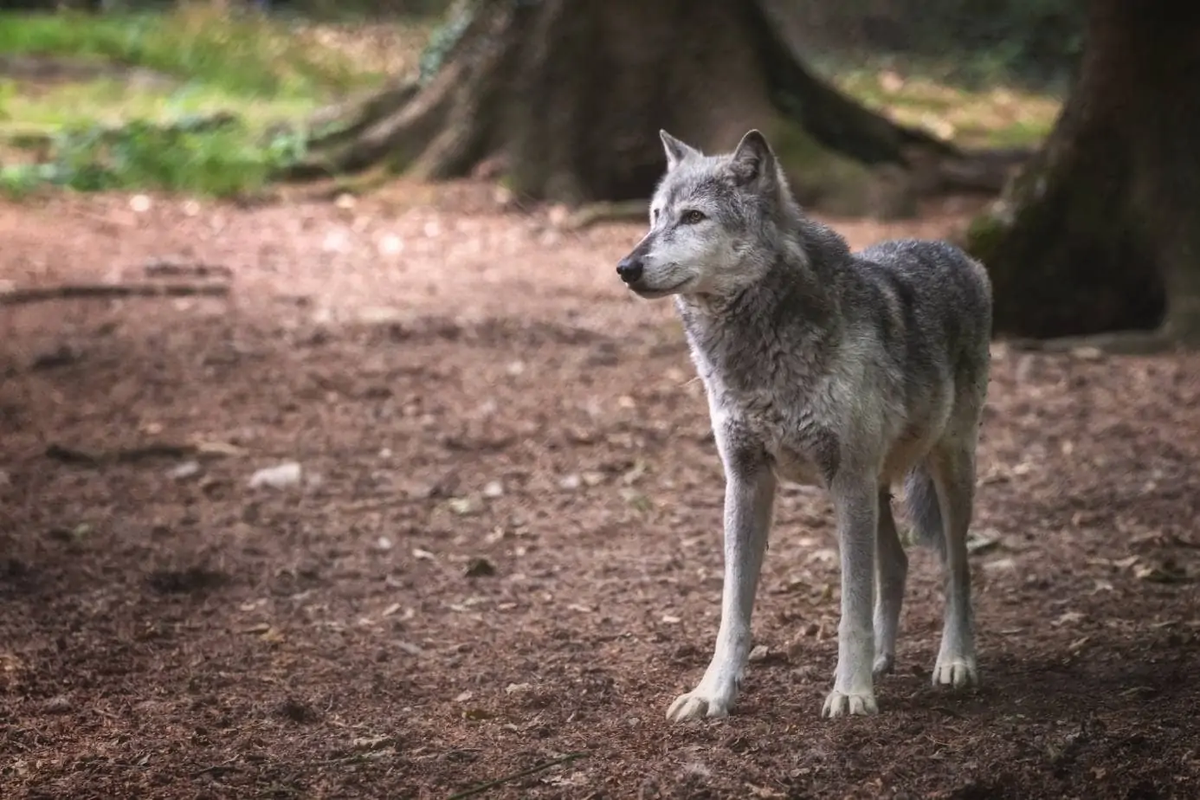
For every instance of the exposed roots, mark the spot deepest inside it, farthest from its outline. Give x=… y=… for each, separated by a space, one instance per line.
x=436 y=131
x=602 y=212
x=517 y=83
x=1113 y=343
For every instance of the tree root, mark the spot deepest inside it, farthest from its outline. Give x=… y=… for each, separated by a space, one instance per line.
x=41 y=294
x=1114 y=343
x=602 y=212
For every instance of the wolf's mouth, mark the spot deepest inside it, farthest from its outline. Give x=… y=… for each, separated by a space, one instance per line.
x=648 y=293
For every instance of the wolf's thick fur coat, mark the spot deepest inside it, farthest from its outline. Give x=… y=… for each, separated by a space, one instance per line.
x=852 y=371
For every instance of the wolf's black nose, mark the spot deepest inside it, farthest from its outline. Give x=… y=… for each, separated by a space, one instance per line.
x=630 y=269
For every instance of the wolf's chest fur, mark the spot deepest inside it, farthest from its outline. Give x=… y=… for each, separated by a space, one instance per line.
x=775 y=404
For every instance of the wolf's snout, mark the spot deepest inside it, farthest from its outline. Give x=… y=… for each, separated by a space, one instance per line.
x=630 y=269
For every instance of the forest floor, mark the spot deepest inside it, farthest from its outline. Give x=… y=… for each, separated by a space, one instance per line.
x=503 y=546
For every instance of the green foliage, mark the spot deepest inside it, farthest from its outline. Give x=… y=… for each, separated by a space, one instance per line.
x=215 y=155
x=245 y=54
x=178 y=101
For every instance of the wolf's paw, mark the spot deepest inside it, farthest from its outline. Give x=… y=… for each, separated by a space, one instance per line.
x=698 y=703
x=885 y=664
x=849 y=705
x=956 y=672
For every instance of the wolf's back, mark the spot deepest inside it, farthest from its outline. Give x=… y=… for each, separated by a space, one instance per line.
x=944 y=295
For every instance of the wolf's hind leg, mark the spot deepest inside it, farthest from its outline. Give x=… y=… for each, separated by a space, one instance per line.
x=952 y=469
x=892 y=573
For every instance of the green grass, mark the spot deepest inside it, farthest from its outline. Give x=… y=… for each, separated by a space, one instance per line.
x=993 y=111
x=137 y=118
x=239 y=54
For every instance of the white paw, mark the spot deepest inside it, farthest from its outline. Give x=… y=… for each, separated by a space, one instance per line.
x=849 y=705
x=956 y=672
x=884 y=665
x=700 y=702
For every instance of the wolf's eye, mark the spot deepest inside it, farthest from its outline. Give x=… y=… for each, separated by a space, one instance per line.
x=691 y=217
x=654 y=214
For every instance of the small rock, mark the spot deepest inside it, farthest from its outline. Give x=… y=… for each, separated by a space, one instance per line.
x=335 y=242
x=184 y=471
x=391 y=245
x=759 y=653
x=380 y=315
x=383 y=543
x=493 y=489
x=463 y=506
x=514 y=688
x=140 y=203
x=281 y=476
x=59 y=704
x=1088 y=353
x=570 y=482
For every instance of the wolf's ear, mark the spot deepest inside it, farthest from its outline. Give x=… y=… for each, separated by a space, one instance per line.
x=676 y=150
x=753 y=159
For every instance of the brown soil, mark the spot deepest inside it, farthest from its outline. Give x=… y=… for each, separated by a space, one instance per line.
x=505 y=546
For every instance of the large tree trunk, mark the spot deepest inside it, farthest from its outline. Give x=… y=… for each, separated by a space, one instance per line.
x=1101 y=232
x=570 y=96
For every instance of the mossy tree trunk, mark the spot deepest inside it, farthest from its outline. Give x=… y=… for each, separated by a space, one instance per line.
x=570 y=97
x=1101 y=232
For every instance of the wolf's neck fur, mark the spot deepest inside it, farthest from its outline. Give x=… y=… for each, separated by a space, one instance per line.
x=797 y=300
x=793 y=314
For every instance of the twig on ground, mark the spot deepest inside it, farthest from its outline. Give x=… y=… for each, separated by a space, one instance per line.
x=131 y=455
x=172 y=268
x=483 y=787
x=41 y=294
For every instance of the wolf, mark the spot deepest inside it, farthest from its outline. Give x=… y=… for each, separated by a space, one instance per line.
x=851 y=371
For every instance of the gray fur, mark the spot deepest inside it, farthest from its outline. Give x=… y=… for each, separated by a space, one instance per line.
x=851 y=371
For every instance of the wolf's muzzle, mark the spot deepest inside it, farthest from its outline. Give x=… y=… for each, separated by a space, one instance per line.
x=630 y=269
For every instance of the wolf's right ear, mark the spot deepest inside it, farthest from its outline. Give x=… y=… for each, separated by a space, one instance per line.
x=676 y=150
x=753 y=159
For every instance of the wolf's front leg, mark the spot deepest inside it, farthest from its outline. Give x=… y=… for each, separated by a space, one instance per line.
x=856 y=502
x=749 y=496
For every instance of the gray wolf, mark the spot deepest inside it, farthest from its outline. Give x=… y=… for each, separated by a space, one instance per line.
x=851 y=371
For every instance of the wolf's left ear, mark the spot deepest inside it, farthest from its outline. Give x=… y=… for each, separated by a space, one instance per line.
x=753 y=159
x=676 y=150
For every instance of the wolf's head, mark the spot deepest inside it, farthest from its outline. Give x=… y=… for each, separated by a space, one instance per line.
x=711 y=221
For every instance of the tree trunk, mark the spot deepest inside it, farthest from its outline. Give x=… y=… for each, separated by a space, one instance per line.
x=570 y=97
x=1101 y=232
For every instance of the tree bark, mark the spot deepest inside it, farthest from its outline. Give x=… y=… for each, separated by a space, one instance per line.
x=570 y=97
x=1101 y=232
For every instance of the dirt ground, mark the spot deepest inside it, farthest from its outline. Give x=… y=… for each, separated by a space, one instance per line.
x=503 y=550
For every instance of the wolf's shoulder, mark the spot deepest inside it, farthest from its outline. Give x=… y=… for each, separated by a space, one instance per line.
x=924 y=263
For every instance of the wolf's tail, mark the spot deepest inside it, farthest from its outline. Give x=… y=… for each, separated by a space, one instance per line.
x=920 y=498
